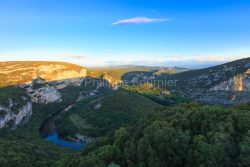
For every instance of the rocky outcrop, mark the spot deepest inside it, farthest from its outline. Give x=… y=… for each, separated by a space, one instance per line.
x=233 y=91
x=12 y=118
x=237 y=83
x=55 y=72
x=24 y=113
x=46 y=94
x=85 y=139
x=97 y=106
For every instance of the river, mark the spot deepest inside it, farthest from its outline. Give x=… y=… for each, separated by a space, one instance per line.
x=55 y=139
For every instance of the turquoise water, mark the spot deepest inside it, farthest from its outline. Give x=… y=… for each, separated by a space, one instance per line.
x=55 y=139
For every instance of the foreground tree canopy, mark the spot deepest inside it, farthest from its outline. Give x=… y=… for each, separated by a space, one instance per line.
x=184 y=135
x=187 y=134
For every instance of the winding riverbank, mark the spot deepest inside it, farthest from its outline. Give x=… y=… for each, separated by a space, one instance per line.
x=48 y=131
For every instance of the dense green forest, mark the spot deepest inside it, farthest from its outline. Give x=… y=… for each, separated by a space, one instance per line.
x=183 y=135
x=187 y=134
x=99 y=115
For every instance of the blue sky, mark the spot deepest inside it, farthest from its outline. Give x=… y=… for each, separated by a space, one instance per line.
x=112 y=32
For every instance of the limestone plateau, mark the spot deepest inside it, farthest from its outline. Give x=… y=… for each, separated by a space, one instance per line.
x=23 y=72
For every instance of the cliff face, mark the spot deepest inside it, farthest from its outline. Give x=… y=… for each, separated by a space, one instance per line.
x=233 y=91
x=227 y=84
x=13 y=117
x=45 y=94
x=238 y=83
x=55 y=72
x=15 y=73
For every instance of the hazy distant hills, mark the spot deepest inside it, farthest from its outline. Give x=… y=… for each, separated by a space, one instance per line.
x=139 y=67
x=192 y=64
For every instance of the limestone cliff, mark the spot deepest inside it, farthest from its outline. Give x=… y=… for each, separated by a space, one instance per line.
x=13 y=117
x=237 y=83
x=46 y=94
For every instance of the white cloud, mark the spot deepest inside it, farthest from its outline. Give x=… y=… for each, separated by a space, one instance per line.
x=139 y=20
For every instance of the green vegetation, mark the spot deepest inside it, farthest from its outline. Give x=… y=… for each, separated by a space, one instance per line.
x=114 y=73
x=157 y=94
x=100 y=115
x=11 y=92
x=148 y=89
x=19 y=152
x=184 y=135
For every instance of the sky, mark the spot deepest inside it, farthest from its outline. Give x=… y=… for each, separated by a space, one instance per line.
x=118 y=32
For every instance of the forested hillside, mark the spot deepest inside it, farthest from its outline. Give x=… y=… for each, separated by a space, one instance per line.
x=184 y=135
